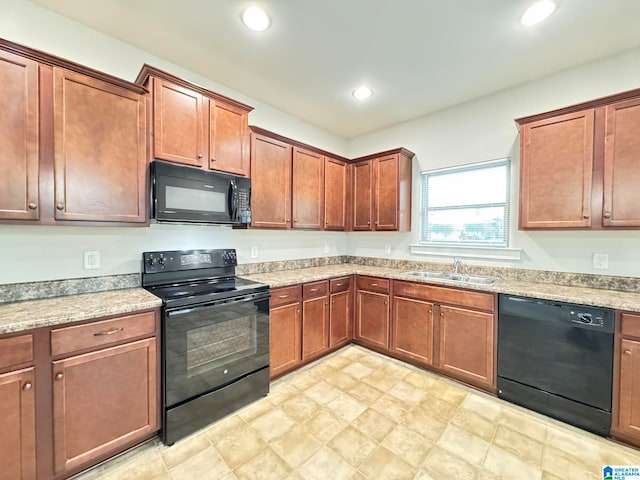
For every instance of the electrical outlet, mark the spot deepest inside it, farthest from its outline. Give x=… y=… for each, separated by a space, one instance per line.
x=254 y=252
x=91 y=259
x=601 y=261
x=326 y=248
x=387 y=249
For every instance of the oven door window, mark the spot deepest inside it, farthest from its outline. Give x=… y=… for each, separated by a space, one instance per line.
x=208 y=347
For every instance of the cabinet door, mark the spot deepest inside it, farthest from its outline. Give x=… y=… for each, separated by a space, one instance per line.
x=466 y=344
x=372 y=318
x=178 y=124
x=629 y=394
x=621 y=160
x=340 y=318
x=412 y=329
x=308 y=189
x=315 y=327
x=103 y=400
x=228 y=139
x=556 y=163
x=17 y=424
x=18 y=138
x=335 y=194
x=285 y=345
x=386 y=193
x=99 y=150
x=362 y=195
x=271 y=183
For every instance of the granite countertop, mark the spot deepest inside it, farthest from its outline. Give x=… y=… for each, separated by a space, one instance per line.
x=19 y=316
x=581 y=295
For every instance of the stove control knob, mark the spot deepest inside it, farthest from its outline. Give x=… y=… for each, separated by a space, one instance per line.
x=162 y=261
x=149 y=262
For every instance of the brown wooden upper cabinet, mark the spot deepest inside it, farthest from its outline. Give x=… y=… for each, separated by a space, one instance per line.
x=382 y=191
x=295 y=185
x=578 y=165
x=74 y=142
x=195 y=126
x=308 y=189
x=336 y=185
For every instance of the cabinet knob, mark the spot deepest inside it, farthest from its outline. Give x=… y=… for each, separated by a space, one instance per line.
x=28 y=386
x=627 y=352
x=586 y=217
x=333 y=302
x=59 y=376
x=200 y=155
x=295 y=219
x=298 y=311
x=386 y=303
x=376 y=222
x=607 y=214
x=288 y=219
x=213 y=159
x=60 y=206
x=368 y=223
x=32 y=206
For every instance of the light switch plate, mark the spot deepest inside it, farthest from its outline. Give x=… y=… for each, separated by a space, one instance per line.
x=387 y=249
x=326 y=248
x=91 y=259
x=601 y=261
x=254 y=252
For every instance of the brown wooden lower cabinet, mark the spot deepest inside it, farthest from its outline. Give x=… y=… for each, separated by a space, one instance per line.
x=412 y=329
x=103 y=400
x=629 y=390
x=340 y=318
x=466 y=344
x=372 y=318
x=17 y=425
x=285 y=333
x=315 y=327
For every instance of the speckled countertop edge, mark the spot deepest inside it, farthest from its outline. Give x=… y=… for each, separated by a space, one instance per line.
x=27 y=315
x=581 y=295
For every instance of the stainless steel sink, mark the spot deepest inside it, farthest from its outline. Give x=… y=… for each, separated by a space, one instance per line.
x=462 y=278
x=470 y=279
x=427 y=274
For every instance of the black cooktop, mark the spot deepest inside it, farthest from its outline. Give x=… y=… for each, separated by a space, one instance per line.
x=192 y=277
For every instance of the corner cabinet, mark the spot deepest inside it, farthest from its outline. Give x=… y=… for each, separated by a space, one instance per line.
x=296 y=186
x=578 y=165
x=195 y=126
x=382 y=192
x=74 y=142
x=371 y=326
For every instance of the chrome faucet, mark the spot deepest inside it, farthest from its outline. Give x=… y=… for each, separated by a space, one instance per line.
x=457 y=265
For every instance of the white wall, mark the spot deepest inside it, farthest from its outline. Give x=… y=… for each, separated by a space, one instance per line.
x=483 y=129
x=46 y=253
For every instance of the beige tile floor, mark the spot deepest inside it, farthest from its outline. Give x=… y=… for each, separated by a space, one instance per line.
x=360 y=415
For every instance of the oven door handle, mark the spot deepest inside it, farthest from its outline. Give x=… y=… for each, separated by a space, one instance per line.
x=217 y=303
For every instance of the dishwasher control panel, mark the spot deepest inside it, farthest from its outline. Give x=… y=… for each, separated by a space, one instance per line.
x=586 y=318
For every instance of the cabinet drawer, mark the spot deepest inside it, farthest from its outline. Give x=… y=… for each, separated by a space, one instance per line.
x=630 y=324
x=339 y=284
x=315 y=289
x=374 y=284
x=16 y=350
x=96 y=334
x=454 y=296
x=283 y=295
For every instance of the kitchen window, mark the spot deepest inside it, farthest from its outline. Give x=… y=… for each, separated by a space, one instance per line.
x=466 y=206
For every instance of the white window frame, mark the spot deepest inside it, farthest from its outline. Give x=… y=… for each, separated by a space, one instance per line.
x=425 y=209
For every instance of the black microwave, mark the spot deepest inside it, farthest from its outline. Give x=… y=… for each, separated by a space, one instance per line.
x=191 y=195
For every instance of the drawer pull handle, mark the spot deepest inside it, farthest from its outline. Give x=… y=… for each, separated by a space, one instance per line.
x=284 y=295
x=28 y=386
x=627 y=352
x=314 y=289
x=373 y=284
x=59 y=376
x=108 y=332
x=339 y=284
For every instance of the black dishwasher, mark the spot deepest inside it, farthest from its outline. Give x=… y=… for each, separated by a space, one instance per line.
x=557 y=359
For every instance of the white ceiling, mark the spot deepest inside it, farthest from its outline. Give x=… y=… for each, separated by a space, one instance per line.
x=418 y=56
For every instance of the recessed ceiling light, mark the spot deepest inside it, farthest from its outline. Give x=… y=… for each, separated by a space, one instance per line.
x=256 y=19
x=362 y=93
x=538 y=12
